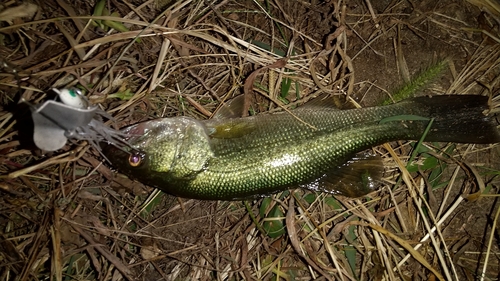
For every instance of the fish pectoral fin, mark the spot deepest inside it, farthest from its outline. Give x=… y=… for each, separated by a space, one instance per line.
x=357 y=177
x=231 y=128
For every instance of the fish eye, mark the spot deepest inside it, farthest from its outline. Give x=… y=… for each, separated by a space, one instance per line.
x=136 y=158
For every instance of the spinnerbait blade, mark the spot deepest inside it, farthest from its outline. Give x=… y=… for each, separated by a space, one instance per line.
x=72 y=118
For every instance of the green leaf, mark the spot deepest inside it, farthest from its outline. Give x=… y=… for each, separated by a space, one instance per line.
x=264 y=205
x=149 y=207
x=274 y=222
x=124 y=95
x=349 y=250
x=332 y=202
x=309 y=198
x=286 y=83
x=98 y=11
x=115 y=25
x=437 y=173
x=429 y=162
x=418 y=82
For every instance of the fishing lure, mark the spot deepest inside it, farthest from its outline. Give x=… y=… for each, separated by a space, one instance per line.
x=72 y=118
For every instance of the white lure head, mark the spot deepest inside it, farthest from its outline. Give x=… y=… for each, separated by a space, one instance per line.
x=72 y=97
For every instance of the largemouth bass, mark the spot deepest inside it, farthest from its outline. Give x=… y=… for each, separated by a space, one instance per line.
x=235 y=158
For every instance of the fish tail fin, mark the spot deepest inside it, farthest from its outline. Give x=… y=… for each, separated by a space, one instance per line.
x=459 y=118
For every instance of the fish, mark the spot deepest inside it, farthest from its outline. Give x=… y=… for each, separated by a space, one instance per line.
x=315 y=146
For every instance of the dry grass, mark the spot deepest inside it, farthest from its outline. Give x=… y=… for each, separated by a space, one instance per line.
x=67 y=216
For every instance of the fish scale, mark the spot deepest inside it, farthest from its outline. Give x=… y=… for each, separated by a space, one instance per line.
x=315 y=158
x=267 y=153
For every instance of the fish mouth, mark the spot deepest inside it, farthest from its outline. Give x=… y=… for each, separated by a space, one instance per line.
x=135 y=139
x=117 y=153
x=120 y=158
x=114 y=155
x=135 y=130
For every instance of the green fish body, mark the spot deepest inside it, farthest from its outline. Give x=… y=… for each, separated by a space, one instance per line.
x=234 y=158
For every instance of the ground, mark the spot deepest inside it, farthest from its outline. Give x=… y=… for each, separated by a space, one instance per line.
x=69 y=215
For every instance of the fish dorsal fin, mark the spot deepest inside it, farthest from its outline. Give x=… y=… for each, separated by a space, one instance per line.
x=230 y=128
x=227 y=123
x=357 y=177
x=232 y=108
